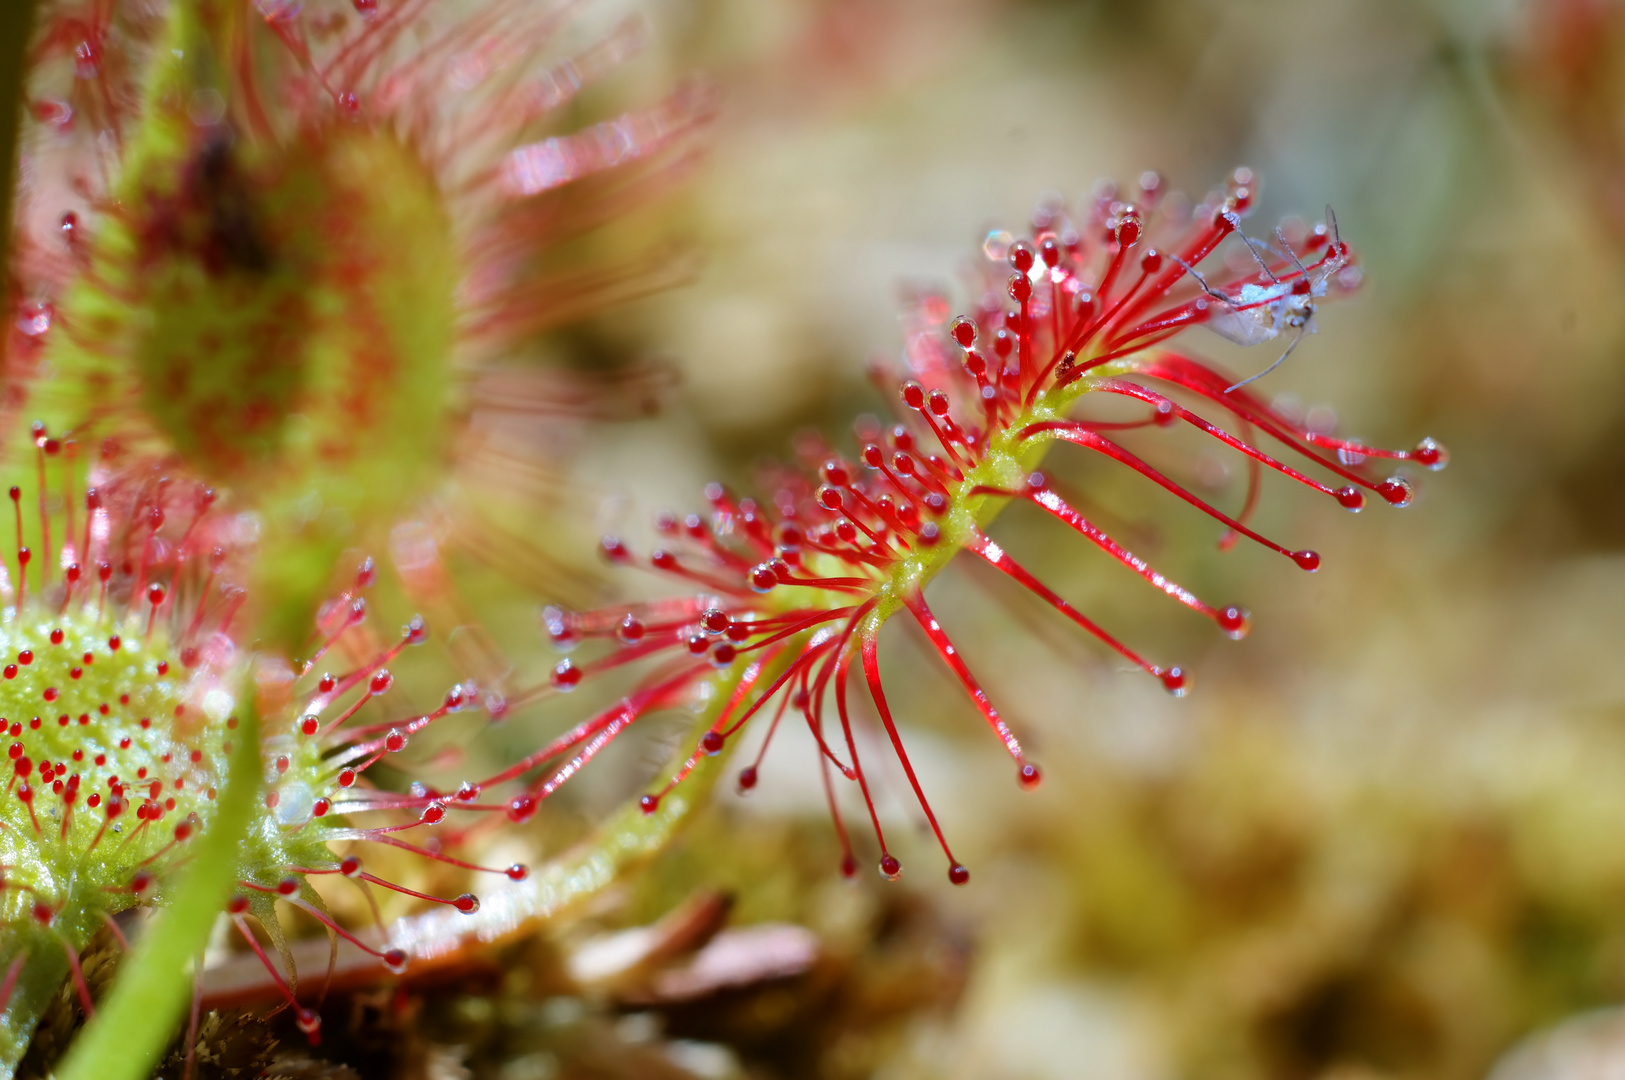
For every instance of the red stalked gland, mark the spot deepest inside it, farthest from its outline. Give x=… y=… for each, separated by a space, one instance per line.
x=964 y=331
x=566 y=676
x=1430 y=454
x=1234 y=622
x=1021 y=256
x=1397 y=490
x=522 y=808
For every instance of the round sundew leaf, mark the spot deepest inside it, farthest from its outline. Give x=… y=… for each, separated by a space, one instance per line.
x=275 y=311
x=135 y=1022
x=116 y=757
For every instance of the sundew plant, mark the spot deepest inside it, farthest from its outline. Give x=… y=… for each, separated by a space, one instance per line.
x=788 y=592
x=261 y=255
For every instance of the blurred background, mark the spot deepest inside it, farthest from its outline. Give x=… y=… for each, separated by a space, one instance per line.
x=1382 y=837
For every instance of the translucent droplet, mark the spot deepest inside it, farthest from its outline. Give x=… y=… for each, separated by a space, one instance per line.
x=1430 y=453
x=35 y=318
x=217 y=704
x=297 y=804
x=996 y=246
x=1397 y=490
x=1235 y=622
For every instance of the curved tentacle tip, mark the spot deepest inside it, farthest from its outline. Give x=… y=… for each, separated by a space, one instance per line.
x=1431 y=454
x=1397 y=490
x=1235 y=622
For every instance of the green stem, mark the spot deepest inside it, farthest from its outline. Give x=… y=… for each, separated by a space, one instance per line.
x=137 y=1019
x=16 y=30
x=45 y=969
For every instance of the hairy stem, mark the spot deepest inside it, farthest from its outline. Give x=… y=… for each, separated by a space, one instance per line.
x=626 y=840
x=1004 y=465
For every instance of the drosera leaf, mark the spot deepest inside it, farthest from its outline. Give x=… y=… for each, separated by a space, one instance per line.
x=276 y=313
x=137 y=1019
x=812 y=570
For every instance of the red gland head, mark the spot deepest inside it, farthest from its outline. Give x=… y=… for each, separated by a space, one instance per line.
x=1397 y=490
x=1234 y=621
x=522 y=808
x=964 y=331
